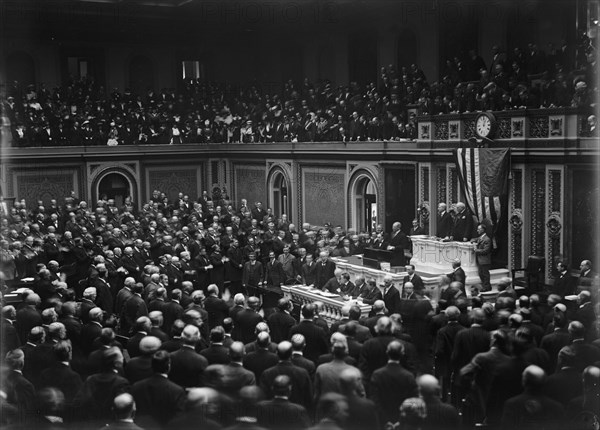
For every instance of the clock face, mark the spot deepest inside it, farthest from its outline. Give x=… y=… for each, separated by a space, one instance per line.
x=483 y=126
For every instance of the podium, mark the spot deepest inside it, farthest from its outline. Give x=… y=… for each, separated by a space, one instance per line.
x=374 y=257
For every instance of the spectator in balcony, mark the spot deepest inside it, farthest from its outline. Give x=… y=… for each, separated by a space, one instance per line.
x=592 y=127
x=475 y=64
x=581 y=98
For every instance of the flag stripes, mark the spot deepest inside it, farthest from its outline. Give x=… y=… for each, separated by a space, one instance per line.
x=483 y=176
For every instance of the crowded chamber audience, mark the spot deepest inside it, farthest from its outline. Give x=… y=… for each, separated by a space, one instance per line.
x=173 y=317
x=84 y=113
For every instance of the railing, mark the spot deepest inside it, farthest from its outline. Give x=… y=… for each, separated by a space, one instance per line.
x=552 y=123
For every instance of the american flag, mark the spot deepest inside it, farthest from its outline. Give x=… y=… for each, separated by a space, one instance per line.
x=483 y=176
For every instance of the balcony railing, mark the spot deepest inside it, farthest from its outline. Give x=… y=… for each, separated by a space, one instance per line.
x=513 y=125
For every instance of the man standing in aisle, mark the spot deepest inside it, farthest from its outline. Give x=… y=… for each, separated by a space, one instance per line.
x=483 y=253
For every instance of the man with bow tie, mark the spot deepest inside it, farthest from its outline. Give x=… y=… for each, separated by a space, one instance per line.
x=564 y=284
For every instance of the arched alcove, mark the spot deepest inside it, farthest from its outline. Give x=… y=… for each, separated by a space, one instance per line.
x=364 y=214
x=279 y=193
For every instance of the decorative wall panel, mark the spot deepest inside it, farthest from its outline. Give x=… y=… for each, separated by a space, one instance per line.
x=516 y=219
x=554 y=220
x=44 y=185
x=250 y=183
x=441 y=185
x=538 y=203
x=174 y=181
x=323 y=195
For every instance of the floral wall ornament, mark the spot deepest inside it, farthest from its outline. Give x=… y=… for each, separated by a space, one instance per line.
x=516 y=220
x=554 y=225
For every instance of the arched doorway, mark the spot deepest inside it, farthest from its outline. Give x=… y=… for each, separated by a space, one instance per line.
x=280 y=201
x=364 y=198
x=114 y=186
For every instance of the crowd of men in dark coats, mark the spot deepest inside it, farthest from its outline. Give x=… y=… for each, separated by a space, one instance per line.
x=125 y=319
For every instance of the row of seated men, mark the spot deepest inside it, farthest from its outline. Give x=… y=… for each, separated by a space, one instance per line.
x=489 y=360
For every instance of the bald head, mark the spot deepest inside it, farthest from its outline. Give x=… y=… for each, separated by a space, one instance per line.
x=239 y=299
x=395 y=350
x=190 y=334
x=124 y=406
x=378 y=306
x=533 y=377
x=253 y=302
x=284 y=350
x=149 y=345
x=237 y=351
x=429 y=386
x=350 y=379
x=199 y=397
x=384 y=326
x=282 y=386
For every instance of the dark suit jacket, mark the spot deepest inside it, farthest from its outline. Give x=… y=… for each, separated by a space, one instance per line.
x=517 y=412
x=235 y=378
x=63 y=378
x=316 y=339
x=305 y=363
x=187 y=367
x=89 y=332
x=280 y=323
x=301 y=383
x=171 y=312
x=323 y=273
x=458 y=275
x=308 y=273
x=392 y=300
x=274 y=274
x=246 y=321
x=564 y=284
x=564 y=385
x=362 y=413
x=216 y=354
x=159 y=398
x=281 y=414
x=444 y=225
x=467 y=343
x=20 y=393
x=259 y=361
x=10 y=337
x=389 y=387
x=252 y=274
x=27 y=318
x=552 y=343
x=416 y=281
x=133 y=344
x=139 y=368
x=217 y=310
x=440 y=416
x=463 y=226
x=95 y=399
x=483 y=251
x=373 y=355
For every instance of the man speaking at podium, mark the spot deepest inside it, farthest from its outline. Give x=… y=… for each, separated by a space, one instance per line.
x=397 y=244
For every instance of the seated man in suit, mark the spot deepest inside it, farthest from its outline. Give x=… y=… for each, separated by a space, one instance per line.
x=564 y=283
x=586 y=276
